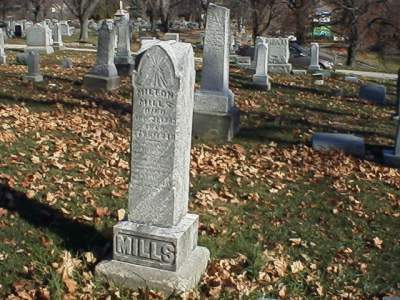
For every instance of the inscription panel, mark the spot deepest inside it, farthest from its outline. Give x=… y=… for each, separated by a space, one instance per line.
x=143 y=250
x=278 y=50
x=151 y=189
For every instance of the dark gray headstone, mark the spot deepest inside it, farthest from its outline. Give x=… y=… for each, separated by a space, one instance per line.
x=347 y=143
x=67 y=63
x=373 y=92
x=21 y=58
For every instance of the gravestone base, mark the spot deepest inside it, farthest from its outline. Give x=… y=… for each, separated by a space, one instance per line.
x=348 y=143
x=3 y=60
x=262 y=82
x=314 y=69
x=216 y=126
x=135 y=276
x=125 y=65
x=96 y=82
x=58 y=47
x=299 y=72
x=34 y=78
x=279 y=68
x=391 y=159
x=125 y=69
x=41 y=50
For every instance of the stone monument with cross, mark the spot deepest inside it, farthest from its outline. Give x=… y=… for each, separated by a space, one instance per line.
x=123 y=58
x=261 y=78
x=104 y=74
x=215 y=114
x=156 y=247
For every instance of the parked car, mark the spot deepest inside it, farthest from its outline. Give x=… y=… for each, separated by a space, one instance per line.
x=300 y=57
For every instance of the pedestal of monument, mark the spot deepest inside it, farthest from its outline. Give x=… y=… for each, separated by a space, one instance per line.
x=125 y=65
x=262 y=81
x=94 y=82
x=166 y=259
x=40 y=49
x=280 y=68
x=215 y=117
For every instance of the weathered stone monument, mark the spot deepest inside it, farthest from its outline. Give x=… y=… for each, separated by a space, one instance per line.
x=3 y=58
x=123 y=59
x=261 y=78
x=33 y=62
x=103 y=75
x=215 y=115
x=259 y=40
x=278 y=62
x=157 y=246
x=169 y=36
x=57 y=37
x=66 y=29
x=38 y=39
x=314 y=63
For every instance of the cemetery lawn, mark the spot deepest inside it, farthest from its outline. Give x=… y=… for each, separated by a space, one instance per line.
x=280 y=219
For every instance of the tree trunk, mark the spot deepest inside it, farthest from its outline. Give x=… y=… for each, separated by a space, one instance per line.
x=36 y=12
x=256 y=24
x=300 y=28
x=165 y=23
x=351 y=54
x=84 y=34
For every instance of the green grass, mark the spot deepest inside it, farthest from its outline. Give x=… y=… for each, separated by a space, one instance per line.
x=279 y=201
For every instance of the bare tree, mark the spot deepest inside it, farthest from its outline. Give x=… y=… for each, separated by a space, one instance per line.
x=354 y=19
x=82 y=9
x=301 y=10
x=262 y=13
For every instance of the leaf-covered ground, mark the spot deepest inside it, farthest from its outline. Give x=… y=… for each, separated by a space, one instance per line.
x=280 y=219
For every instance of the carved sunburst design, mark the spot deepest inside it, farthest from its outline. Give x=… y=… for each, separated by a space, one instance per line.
x=156 y=70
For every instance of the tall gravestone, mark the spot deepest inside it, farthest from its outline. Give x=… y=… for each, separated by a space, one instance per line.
x=314 y=63
x=38 y=39
x=279 y=54
x=57 y=36
x=33 y=62
x=261 y=78
x=215 y=114
x=104 y=74
x=259 y=40
x=3 y=58
x=157 y=246
x=123 y=58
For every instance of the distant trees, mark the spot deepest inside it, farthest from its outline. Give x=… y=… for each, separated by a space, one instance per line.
x=302 y=12
x=354 y=18
x=262 y=12
x=82 y=10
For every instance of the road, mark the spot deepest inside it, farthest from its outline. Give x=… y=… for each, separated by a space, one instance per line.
x=22 y=47
x=378 y=75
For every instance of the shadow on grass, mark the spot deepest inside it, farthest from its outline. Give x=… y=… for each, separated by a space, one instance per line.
x=282 y=129
x=113 y=107
x=76 y=236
